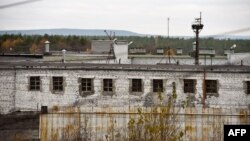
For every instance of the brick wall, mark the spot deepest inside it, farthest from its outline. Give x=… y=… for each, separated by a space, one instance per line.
x=231 y=89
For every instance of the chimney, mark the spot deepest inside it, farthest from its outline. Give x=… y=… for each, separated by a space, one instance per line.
x=46 y=50
x=63 y=55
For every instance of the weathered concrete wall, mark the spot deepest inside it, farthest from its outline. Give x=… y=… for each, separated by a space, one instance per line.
x=231 y=90
x=100 y=46
x=15 y=92
x=121 y=53
x=236 y=58
x=7 y=91
x=182 y=61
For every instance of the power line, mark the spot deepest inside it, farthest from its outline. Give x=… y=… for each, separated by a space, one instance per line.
x=17 y=3
x=241 y=30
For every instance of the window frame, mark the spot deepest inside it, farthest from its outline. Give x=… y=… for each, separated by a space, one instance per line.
x=108 y=85
x=158 y=82
x=86 y=84
x=212 y=86
x=36 y=86
x=136 y=85
x=189 y=85
x=57 y=83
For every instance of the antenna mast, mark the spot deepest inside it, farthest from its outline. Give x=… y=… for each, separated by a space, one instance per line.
x=197 y=27
x=111 y=52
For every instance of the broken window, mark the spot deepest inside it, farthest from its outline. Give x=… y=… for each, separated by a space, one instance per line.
x=189 y=85
x=157 y=85
x=248 y=87
x=35 y=83
x=211 y=86
x=107 y=85
x=136 y=85
x=58 y=83
x=86 y=84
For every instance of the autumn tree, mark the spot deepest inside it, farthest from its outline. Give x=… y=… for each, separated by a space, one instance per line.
x=10 y=44
x=33 y=49
x=7 y=45
x=160 y=124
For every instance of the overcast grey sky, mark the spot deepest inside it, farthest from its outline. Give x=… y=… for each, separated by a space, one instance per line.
x=141 y=16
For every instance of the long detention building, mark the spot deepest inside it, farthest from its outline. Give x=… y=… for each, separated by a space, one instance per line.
x=28 y=86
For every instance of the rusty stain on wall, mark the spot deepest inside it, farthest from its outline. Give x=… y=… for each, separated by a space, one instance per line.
x=101 y=123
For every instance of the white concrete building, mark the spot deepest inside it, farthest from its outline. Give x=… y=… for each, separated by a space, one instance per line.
x=28 y=86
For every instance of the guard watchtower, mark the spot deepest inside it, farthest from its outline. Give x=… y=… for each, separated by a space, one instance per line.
x=197 y=27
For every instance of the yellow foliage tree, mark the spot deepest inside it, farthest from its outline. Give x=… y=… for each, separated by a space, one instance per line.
x=33 y=49
x=9 y=45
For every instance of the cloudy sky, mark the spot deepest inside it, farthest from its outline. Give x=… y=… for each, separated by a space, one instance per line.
x=141 y=16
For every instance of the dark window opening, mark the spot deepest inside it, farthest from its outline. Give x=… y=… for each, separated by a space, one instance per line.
x=248 y=87
x=35 y=83
x=136 y=85
x=211 y=86
x=157 y=85
x=107 y=85
x=86 y=84
x=189 y=86
x=58 y=83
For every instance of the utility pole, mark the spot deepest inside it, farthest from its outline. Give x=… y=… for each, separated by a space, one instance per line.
x=197 y=27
